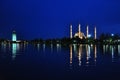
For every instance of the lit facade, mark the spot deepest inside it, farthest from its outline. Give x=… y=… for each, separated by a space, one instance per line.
x=81 y=35
x=14 y=36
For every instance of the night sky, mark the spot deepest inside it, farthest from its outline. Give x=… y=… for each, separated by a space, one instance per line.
x=52 y=18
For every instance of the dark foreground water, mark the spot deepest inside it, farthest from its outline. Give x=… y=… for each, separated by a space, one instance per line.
x=56 y=62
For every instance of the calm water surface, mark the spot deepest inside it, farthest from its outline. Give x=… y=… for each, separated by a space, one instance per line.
x=53 y=62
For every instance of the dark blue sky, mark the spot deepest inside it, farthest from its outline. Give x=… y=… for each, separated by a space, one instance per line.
x=51 y=18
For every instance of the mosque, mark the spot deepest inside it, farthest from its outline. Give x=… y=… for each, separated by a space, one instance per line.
x=80 y=34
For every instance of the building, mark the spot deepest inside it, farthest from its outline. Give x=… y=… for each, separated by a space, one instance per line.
x=14 y=36
x=81 y=35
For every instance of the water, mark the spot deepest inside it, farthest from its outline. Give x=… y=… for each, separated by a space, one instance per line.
x=53 y=62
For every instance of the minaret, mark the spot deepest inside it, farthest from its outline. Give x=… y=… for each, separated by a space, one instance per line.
x=79 y=30
x=87 y=32
x=95 y=33
x=70 y=31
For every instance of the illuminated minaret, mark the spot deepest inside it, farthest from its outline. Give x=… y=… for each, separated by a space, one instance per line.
x=87 y=32
x=14 y=36
x=71 y=31
x=95 y=33
x=79 y=30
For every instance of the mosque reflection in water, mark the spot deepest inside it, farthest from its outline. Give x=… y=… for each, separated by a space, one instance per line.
x=83 y=54
x=86 y=55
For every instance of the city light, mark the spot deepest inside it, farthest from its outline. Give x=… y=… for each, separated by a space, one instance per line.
x=112 y=34
x=89 y=35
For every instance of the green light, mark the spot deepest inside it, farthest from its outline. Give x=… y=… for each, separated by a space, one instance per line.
x=14 y=50
x=14 y=37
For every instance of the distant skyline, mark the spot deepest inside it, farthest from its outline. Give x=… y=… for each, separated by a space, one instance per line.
x=52 y=18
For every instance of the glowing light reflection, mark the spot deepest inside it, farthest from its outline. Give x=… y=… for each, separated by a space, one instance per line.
x=119 y=49
x=95 y=54
x=4 y=47
x=106 y=48
x=58 y=47
x=70 y=55
x=103 y=48
x=38 y=47
x=51 y=48
x=44 y=47
x=15 y=48
x=79 y=54
x=87 y=54
x=112 y=53
x=75 y=48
